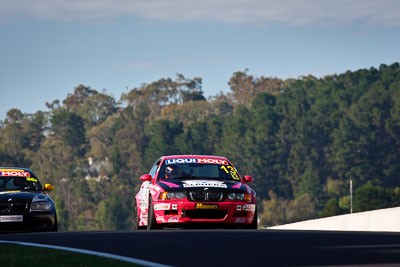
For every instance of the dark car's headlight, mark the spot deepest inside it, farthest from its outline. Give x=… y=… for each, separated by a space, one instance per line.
x=172 y=195
x=239 y=196
x=41 y=205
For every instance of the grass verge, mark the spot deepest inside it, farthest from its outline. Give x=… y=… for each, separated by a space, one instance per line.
x=16 y=255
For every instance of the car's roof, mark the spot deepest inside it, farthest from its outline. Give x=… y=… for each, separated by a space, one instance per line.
x=192 y=156
x=16 y=168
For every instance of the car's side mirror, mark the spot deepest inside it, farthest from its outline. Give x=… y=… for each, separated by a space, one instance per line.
x=248 y=179
x=146 y=177
x=48 y=187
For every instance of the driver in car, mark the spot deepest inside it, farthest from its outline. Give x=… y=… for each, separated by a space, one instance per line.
x=174 y=172
x=19 y=183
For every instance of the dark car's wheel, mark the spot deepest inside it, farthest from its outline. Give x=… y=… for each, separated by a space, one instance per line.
x=151 y=218
x=136 y=218
x=55 y=228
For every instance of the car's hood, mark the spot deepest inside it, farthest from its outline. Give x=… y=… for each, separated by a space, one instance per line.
x=189 y=185
x=23 y=196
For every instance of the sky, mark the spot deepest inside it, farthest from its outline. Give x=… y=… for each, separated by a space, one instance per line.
x=48 y=47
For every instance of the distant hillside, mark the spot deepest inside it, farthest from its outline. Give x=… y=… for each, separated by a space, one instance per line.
x=302 y=139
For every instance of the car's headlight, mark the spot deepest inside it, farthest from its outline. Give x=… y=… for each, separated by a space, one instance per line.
x=172 y=195
x=239 y=196
x=232 y=196
x=41 y=205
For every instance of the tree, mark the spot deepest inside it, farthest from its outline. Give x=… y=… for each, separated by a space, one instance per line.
x=245 y=87
x=92 y=106
x=371 y=196
x=70 y=129
x=113 y=213
x=161 y=134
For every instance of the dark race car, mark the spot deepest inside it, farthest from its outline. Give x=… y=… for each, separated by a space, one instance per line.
x=195 y=191
x=24 y=203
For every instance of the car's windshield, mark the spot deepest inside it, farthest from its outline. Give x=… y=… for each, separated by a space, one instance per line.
x=9 y=183
x=220 y=170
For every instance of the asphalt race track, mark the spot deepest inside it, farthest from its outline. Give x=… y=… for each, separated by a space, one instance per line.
x=232 y=247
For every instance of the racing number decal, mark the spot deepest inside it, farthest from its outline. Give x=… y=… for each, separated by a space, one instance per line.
x=232 y=172
x=31 y=179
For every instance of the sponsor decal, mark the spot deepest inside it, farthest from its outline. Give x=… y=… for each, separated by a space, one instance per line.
x=249 y=207
x=160 y=219
x=200 y=183
x=238 y=207
x=11 y=170
x=180 y=161
x=31 y=179
x=212 y=161
x=174 y=206
x=195 y=160
x=173 y=219
x=14 y=218
x=156 y=188
x=201 y=206
x=15 y=173
x=162 y=206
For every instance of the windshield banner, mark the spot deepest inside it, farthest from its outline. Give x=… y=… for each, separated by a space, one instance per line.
x=195 y=160
x=14 y=173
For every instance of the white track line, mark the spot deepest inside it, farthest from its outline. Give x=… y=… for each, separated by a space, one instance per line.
x=89 y=252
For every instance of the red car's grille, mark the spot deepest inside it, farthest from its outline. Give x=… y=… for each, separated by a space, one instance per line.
x=206 y=214
x=206 y=196
x=198 y=195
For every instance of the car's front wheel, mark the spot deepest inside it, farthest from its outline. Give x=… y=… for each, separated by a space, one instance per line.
x=55 y=228
x=254 y=223
x=151 y=218
x=136 y=218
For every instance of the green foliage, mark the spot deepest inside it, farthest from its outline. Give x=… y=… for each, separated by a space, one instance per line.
x=372 y=196
x=69 y=128
x=278 y=211
x=62 y=214
x=162 y=134
x=112 y=213
x=332 y=208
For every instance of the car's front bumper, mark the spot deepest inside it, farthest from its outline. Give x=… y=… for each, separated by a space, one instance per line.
x=185 y=212
x=32 y=221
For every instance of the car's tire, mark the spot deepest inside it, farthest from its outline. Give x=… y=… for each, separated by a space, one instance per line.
x=55 y=227
x=254 y=222
x=151 y=218
x=136 y=218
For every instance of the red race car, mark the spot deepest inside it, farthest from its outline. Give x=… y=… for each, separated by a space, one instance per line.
x=195 y=191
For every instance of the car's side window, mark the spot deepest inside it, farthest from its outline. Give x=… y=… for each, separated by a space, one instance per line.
x=154 y=169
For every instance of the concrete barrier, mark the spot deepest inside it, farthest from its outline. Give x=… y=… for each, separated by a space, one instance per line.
x=384 y=220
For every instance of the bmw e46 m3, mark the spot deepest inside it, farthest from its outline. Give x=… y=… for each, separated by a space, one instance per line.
x=195 y=191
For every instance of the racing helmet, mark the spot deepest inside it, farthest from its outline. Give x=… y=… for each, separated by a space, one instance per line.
x=171 y=171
